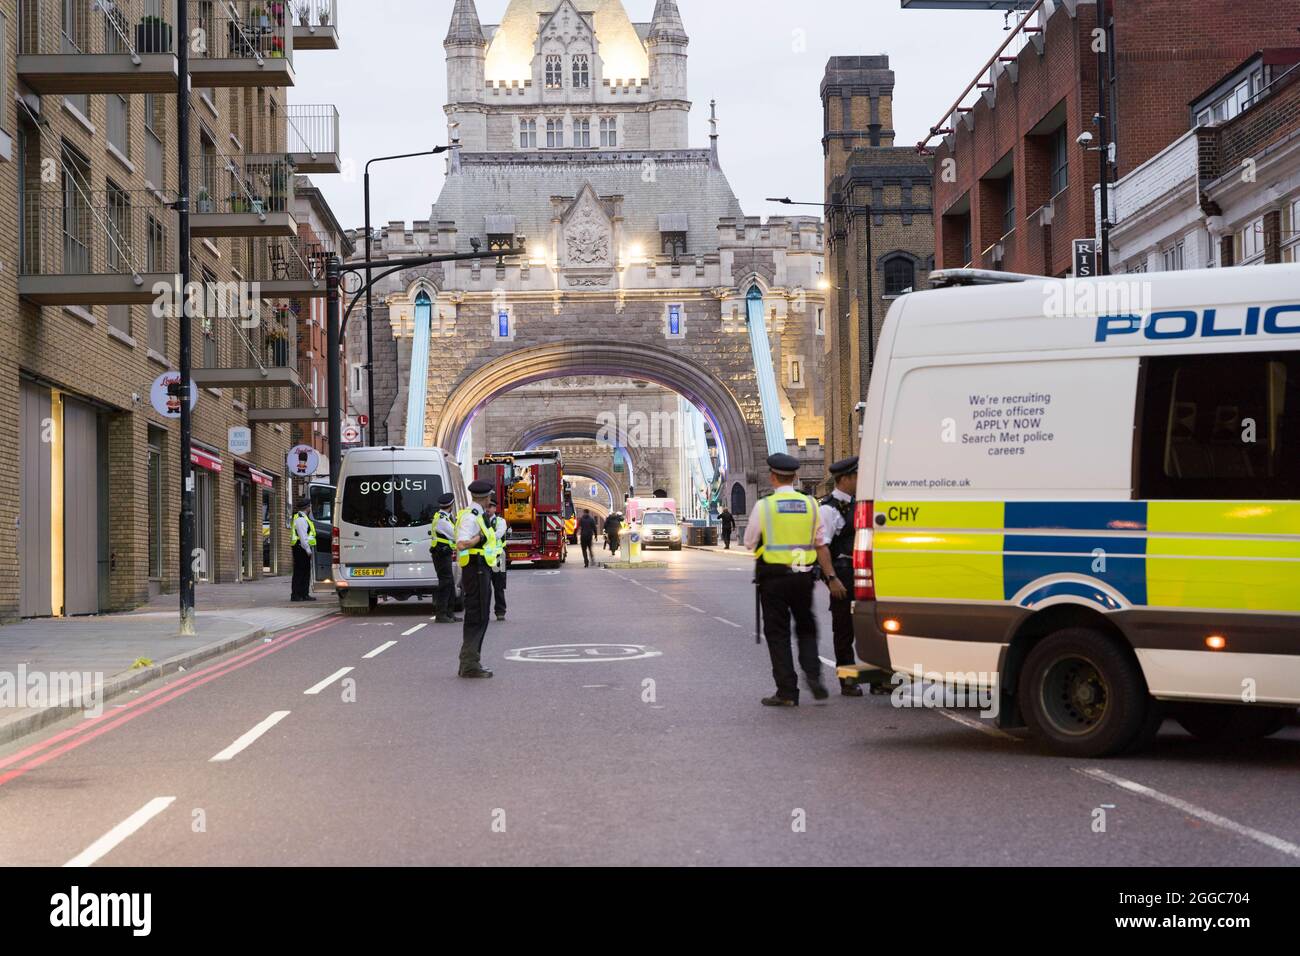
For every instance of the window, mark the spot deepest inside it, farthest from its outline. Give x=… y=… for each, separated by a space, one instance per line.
x=155 y=253
x=674 y=243
x=500 y=242
x=77 y=216
x=154 y=477
x=1222 y=427
x=582 y=133
x=821 y=321
x=554 y=72
x=118 y=110
x=119 y=226
x=555 y=134
x=1136 y=266
x=796 y=372
x=391 y=501
x=581 y=72
x=1060 y=160
x=208 y=322
x=4 y=58
x=609 y=131
x=1008 y=204
x=900 y=275
x=1173 y=257
x=674 y=320
x=1251 y=241
x=503 y=324
x=528 y=134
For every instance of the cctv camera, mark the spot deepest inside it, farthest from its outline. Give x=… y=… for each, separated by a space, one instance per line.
x=1084 y=139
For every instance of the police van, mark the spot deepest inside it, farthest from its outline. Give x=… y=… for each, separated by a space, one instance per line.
x=384 y=509
x=1084 y=496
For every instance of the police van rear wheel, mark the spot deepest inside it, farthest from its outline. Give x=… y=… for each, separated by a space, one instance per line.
x=1082 y=695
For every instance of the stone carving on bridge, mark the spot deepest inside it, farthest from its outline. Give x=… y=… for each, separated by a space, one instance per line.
x=587 y=243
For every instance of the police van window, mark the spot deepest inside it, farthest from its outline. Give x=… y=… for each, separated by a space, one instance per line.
x=1221 y=427
x=391 y=501
x=322 y=503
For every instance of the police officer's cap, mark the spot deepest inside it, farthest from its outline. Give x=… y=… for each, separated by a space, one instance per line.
x=783 y=464
x=481 y=489
x=447 y=500
x=848 y=466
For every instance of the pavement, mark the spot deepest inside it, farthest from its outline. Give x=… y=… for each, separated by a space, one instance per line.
x=623 y=727
x=87 y=661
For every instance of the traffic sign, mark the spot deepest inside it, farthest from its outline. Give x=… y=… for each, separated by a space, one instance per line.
x=363 y=420
x=351 y=435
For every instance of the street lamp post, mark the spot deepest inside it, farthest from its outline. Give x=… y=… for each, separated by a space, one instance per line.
x=370 y=307
x=187 y=625
x=1103 y=155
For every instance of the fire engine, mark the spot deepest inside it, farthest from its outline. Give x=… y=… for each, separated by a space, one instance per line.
x=530 y=494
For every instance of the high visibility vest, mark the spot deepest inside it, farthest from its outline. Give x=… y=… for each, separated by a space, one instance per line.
x=433 y=531
x=487 y=549
x=789 y=523
x=311 y=530
x=500 y=529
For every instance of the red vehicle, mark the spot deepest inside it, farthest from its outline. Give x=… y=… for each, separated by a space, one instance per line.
x=530 y=497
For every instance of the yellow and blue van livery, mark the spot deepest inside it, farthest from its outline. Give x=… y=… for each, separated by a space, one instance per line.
x=1105 y=527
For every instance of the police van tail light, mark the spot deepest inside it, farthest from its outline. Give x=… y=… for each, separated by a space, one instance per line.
x=335 y=550
x=864 y=580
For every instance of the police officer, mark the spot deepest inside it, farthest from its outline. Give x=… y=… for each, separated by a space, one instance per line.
x=303 y=541
x=476 y=546
x=499 y=526
x=786 y=535
x=443 y=549
x=837 y=519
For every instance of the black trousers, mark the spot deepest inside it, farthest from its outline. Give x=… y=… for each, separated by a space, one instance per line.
x=786 y=595
x=726 y=538
x=444 y=601
x=301 y=586
x=588 y=550
x=477 y=578
x=842 y=619
x=612 y=538
x=499 y=592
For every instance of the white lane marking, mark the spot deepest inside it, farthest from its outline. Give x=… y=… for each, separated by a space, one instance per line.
x=980 y=724
x=105 y=844
x=230 y=752
x=697 y=610
x=379 y=650
x=650 y=589
x=317 y=688
x=1191 y=809
x=726 y=622
x=417 y=627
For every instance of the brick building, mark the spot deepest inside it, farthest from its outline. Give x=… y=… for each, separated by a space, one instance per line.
x=872 y=256
x=89 y=173
x=1227 y=191
x=1013 y=187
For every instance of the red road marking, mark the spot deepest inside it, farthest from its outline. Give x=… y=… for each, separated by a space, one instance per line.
x=90 y=729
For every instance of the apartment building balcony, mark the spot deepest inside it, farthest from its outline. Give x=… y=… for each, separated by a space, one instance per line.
x=297 y=414
x=265 y=347
x=284 y=267
x=306 y=136
x=247 y=43
x=315 y=25
x=95 y=46
x=94 y=248
x=242 y=196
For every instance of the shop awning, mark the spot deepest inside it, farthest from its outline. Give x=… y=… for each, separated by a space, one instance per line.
x=205 y=460
x=261 y=478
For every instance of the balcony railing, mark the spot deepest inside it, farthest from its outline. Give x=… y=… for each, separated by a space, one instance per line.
x=315 y=24
x=264 y=340
x=241 y=43
x=95 y=248
x=242 y=196
x=95 y=46
x=313 y=138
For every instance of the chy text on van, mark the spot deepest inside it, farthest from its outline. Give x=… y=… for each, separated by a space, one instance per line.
x=1209 y=323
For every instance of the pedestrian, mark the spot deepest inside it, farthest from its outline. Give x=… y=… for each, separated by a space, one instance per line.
x=476 y=548
x=613 y=526
x=728 y=527
x=499 y=567
x=303 y=542
x=587 y=535
x=837 y=510
x=442 y=546
x=786 y=535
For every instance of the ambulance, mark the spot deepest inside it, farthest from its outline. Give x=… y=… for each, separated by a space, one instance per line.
x=1083 y=498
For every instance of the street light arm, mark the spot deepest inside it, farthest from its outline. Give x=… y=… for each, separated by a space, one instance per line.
x=428 y=152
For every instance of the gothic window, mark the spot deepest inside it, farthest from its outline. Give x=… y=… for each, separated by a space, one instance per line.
x=581 y=72
x=528 y=134
x=900 y=275
x=554 y=72
x=609 y=131
x=500 y=242
x=674 y=243
x=582 y=133
x=555 y=134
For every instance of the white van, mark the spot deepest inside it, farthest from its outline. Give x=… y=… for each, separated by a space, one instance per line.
x=1085 y=496
x=384 y=509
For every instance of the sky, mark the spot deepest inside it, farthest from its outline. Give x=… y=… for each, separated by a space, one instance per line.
x=762 y=60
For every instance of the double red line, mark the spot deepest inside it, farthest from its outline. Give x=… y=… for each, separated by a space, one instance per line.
x=86 y=731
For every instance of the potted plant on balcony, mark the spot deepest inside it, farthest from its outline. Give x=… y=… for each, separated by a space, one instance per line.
x=277 y=347
x=204 y=201
x=153 y=35
x=304 y=14
x=324 y=16
x=276 y=8
x=277 y=46
x=259 y=17
x=240 y=203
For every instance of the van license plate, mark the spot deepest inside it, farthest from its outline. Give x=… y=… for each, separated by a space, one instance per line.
x=368 y=572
